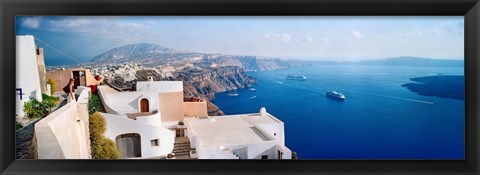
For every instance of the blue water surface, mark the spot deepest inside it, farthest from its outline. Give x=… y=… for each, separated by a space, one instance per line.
x=379 y=119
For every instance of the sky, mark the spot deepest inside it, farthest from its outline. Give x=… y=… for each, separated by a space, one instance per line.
x=338 y=38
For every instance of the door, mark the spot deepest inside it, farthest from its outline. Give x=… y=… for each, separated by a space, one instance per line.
x=129 y=145
x=180 y=132
x=76 y=76
x=144 y=106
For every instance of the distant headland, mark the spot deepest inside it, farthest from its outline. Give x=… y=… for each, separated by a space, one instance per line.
x=445 y=86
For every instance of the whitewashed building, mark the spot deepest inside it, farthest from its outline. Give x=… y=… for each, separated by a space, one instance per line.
x=145 y=124
x=245 y=136
x=30 y=72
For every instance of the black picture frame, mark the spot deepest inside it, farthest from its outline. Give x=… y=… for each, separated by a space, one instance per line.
x=470 y=9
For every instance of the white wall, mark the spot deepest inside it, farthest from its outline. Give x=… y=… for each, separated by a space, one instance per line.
x=287 y=153
x=64 y=134
x=102 y=92
x=240 y=150
x=154 y=119
x=274 y=130
x=215 y=154
x=128 y=102
x=160 y=86
x=118 y=125
x=27 y=75
x=256 y=150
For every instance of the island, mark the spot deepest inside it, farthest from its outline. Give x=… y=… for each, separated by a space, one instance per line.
x=444 y=86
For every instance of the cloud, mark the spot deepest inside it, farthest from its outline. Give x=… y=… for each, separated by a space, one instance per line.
x=78 y=22
x=286 y=38
x=418 y=33
x=356 y=34
x=103 y=27
x=309 y=39
x=31 y=22
x=445 y=28
x=454 y=28
x=272 y=36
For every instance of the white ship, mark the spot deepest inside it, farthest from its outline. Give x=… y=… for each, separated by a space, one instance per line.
x=336 y=95
x=296 y=77
x=233 y=94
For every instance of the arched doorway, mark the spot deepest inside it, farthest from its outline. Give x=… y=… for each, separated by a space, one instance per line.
x=144 y=105
x=129 y=145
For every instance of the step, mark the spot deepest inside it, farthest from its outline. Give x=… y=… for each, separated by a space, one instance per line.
x=181 y=143
x=181 y=154
x=180 y=151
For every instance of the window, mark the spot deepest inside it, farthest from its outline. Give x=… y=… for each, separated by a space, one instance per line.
x=154 y=142
x=264 y=156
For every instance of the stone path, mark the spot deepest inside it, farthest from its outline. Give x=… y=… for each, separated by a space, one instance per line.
x=24 y=145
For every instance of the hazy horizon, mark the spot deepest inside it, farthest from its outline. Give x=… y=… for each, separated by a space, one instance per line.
x=322 y=38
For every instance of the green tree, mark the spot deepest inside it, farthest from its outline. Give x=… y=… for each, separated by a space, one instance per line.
x=102 y=147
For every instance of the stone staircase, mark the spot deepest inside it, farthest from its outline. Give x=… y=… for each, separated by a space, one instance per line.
x=236 y=155
x=181 y=148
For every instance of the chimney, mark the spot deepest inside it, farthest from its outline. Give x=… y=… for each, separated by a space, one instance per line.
x=263 y=112
x=150 y=78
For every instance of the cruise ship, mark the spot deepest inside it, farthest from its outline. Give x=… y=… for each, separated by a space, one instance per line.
x=296 y=77
x=336 y=95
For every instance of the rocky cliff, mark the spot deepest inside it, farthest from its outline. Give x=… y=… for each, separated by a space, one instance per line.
x=253 y=63
x=198 y=83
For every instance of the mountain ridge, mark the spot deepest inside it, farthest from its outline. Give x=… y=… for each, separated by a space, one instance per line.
x=156 y=55
x=132 y=51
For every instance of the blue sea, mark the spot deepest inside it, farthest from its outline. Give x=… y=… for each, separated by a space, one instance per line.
x=379 y=119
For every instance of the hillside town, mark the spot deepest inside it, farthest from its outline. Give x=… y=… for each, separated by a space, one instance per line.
x=131 y=111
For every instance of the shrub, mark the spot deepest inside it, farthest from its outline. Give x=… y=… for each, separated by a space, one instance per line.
x=18 y=126
x=36 y=109
x=106 y=149
x=53 y=85
x=102 y=147
x=95 y=104
x=50 y=99
x=97 y=126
